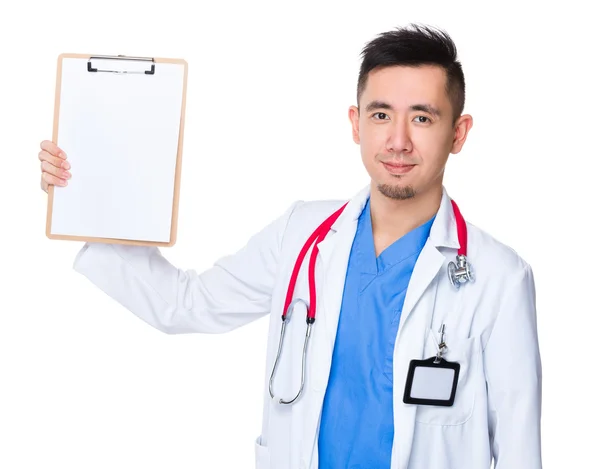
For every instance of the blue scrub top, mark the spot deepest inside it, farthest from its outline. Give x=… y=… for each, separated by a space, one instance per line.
x=357 y=427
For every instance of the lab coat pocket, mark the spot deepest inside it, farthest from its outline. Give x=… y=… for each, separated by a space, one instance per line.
x=467 y=352
x=262 y=456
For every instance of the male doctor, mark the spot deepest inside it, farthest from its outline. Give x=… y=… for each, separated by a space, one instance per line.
x=383 y=293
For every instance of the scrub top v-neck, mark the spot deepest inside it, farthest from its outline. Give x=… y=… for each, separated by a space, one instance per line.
x=357 y=429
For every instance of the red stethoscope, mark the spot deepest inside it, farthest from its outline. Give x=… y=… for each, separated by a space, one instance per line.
x=458 y=273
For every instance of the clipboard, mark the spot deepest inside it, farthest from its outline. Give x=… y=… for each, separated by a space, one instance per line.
x=120 y=121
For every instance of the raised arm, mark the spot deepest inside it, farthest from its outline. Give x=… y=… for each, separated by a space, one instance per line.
x=234 y=291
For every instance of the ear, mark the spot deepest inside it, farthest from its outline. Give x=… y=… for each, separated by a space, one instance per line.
x=461 y=129
x=353 y=115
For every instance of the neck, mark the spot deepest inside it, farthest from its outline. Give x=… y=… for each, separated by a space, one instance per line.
x=391 y=219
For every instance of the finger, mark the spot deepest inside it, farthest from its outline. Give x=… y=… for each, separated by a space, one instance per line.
x=54 y=160
x=53 y=180
x=58 y=172
x=52 y=148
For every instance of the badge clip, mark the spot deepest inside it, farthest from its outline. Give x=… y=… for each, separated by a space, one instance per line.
x=441 y=346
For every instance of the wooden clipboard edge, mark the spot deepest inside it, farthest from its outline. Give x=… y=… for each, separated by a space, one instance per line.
x=54 y=140
x=130 y=242
x=175 y=210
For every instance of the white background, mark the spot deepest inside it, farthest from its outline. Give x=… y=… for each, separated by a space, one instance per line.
x=85 y=384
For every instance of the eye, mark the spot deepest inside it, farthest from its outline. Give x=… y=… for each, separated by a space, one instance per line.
x=423 y=117
x=379 y=114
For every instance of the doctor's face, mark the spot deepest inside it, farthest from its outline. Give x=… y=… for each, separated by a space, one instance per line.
x=405 y=129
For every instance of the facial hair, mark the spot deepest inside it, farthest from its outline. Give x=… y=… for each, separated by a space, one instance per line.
x=396 y=192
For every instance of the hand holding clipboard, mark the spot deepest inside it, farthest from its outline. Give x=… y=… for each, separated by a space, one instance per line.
x=55 y=167
x=120 y=119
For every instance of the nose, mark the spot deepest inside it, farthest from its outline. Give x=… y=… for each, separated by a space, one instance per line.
x=398 y=140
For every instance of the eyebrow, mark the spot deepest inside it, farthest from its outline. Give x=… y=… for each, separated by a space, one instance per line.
x=415 y=107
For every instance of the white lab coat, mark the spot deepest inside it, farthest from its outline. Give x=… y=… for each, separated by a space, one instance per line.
x=491 y=331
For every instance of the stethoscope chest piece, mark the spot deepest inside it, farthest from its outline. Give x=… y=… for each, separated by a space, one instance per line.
x=460 y=272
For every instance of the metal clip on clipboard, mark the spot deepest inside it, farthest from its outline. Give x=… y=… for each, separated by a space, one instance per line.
x=121 y=57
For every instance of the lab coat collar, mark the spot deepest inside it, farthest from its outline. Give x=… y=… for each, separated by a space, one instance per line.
x=443 y=230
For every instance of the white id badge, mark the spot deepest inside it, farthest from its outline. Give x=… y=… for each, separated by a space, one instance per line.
x=431 y=382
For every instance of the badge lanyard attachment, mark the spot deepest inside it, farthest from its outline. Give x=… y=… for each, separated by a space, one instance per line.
x=441 y=346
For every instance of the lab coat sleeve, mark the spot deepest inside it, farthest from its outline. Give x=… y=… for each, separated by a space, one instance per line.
x=514 y=379
x=236 y=290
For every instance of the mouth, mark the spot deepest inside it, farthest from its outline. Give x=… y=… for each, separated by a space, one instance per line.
x=398 y=168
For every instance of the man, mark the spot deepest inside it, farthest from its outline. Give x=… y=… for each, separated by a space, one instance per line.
x=382 y=294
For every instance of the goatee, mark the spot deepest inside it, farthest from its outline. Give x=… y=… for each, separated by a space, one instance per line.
x=396 y=192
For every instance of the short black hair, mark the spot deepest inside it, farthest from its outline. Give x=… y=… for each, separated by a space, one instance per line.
x=412 y=46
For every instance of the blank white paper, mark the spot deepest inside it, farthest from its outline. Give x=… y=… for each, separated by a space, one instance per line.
x=120 y=133
x=432 y=383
